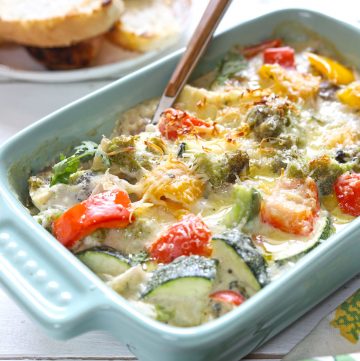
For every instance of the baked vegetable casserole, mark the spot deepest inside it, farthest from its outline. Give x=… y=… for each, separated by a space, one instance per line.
x=256 y=164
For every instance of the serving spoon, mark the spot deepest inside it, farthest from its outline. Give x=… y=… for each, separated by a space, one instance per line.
x=196 y=47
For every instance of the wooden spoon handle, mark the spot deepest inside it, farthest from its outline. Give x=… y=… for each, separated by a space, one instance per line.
x=197 y=45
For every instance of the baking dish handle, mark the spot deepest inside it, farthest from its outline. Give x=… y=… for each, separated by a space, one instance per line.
x=43 y=277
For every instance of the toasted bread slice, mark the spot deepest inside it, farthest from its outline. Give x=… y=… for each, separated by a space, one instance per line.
x=75 y=56
x=59 y=23
x=149 y=24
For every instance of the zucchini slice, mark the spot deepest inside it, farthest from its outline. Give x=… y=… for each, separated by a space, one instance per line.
x=297 y=246
x=105 y=260
x=180 y=289
x=241 y=266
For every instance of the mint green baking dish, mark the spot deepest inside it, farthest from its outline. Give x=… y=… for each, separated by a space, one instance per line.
x=66 y=299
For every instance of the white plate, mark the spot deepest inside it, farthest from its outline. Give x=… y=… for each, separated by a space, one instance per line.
x=112 y=62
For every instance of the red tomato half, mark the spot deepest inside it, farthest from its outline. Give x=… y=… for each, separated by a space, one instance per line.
x=253 y=50
x=103 y=210
x=228 y=296
x=174 y=123
x=190 y=236
x=292 y=206
x=347 y=190
x=284 y=56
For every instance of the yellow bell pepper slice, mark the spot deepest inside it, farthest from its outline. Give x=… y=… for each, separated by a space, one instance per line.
x=350 y=95
x=290 y=83
x=331 y=69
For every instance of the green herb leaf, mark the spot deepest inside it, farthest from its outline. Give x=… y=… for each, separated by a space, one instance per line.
x=62 y=170
x=86 y=148
x=232 y=65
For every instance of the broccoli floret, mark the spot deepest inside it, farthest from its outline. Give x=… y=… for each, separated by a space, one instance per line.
x=128 y=154
x=325 y=171
x=297 y=168
x=269 y=121
x=122 y=152
x=224 y=167
x=283 y=158
x=238 y=163
x=213 y=166
x=350 y=156
x=122 y=143
x=276 y=161
x=284 y=141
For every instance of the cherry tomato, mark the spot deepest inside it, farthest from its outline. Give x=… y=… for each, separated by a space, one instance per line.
x=228 y=296
x=190 y=236
x=292 y=206
x=347 y=190
x=174 y=123
x=284 y=56
x=103 y=210
x=253 y=50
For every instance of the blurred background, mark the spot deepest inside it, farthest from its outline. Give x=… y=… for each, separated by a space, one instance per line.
x=25 y=80
x=29 y=91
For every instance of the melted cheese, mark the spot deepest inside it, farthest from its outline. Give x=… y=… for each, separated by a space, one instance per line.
x=172 y=185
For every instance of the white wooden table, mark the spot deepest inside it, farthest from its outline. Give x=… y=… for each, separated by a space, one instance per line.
x=21 y=104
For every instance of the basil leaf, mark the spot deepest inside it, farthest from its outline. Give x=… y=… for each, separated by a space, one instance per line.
x=232 y=65
x=62 y=170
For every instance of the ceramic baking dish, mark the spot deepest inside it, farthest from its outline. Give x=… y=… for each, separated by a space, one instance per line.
x=66 y=299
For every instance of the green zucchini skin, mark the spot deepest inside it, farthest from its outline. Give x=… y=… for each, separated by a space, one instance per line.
x=105 y=260
x=182 y=267
x=245 y=208
x=244 y=247
x=255 y=204
x=327 y=231
x=180 y=290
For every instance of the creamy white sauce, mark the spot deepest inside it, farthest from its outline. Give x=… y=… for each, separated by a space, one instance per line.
x=325 y=125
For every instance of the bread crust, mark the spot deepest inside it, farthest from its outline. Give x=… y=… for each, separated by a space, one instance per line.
x=64 y=30
x=149 y=34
